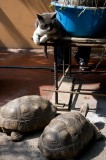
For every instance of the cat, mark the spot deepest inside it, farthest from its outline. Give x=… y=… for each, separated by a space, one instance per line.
x=47 y=27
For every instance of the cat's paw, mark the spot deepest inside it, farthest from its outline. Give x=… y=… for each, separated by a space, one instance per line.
x=43 y=39
x=36 y=38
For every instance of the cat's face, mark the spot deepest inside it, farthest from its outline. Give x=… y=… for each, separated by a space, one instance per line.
x=47 y=21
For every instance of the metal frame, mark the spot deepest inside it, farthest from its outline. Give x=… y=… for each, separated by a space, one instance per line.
x=71 y=42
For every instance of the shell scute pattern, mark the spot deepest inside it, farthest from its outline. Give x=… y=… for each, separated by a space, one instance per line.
x=26 y=113
x=66 y=136
x=13 y=124
x=7 y=117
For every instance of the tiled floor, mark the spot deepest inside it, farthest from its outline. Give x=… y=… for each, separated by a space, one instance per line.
x=16 y=82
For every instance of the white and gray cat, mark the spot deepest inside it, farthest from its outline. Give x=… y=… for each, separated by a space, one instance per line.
x=47 y=28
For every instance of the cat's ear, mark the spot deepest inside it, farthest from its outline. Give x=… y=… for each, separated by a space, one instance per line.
x=53 y=16
x=40 y=17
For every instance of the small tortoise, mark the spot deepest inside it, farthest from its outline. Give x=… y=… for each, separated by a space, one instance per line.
x=67 y=135
x=25 y=114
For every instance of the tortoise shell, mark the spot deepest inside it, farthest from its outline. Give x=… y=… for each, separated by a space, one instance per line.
x=26 y=113
x=66 y=136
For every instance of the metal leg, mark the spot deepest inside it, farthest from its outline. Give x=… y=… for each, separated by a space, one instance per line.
x=45 y=51
x=55 y=74
x=70 y=59
x=71 y=94
x=73 y=79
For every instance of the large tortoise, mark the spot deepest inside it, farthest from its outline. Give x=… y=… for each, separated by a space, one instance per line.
x=25 y=114
x=67 y=135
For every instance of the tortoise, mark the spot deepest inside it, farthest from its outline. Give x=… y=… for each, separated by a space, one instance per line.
x=25 y=114
x=67 y=135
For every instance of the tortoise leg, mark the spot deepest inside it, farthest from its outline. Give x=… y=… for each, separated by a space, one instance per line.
x=84 y=109
x=1 y=130
x=97 y=132
x=16 y=136
x=5 y=131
